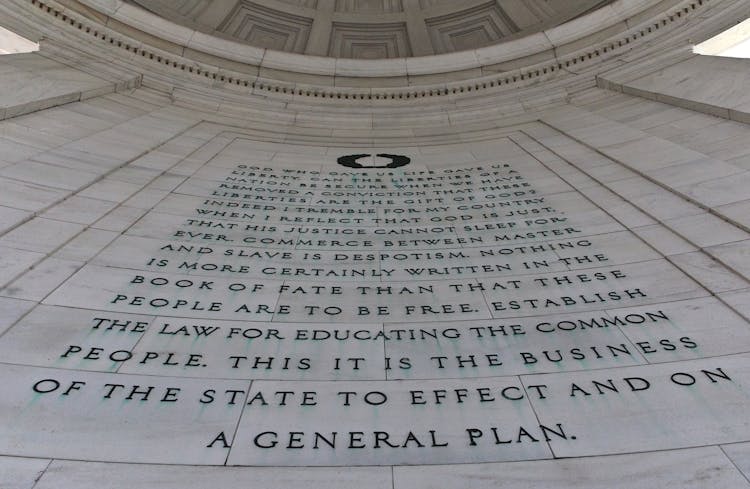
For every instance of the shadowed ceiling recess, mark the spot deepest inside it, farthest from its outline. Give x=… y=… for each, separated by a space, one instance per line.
x=370 y=29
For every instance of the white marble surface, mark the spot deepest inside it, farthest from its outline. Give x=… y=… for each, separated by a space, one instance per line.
x=32 y=82
x=176 y=433
x=21 y=473
x=739 y=453
x=122 y=476
x=646 y=419
x=398 y=417
x=694 y=468
x=713 y=81
x=114 y=191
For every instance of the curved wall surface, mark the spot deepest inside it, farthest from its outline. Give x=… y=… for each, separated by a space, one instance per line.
x=218 y=273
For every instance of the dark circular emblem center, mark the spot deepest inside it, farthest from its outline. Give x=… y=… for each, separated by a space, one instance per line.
x=351 y=161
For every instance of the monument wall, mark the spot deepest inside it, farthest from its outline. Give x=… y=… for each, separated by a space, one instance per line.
x=201 y=287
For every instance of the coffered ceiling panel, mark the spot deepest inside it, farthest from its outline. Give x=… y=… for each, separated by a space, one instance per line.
x=273 y=29
x=369 y=41
x=370 y=29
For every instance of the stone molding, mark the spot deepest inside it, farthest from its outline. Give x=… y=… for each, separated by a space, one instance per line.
x=556 y=44
x=217 y=61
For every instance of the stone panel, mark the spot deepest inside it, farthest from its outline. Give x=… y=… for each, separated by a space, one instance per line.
x=369 y=41
x=264 y=27
x=326 y=315
x=480 y=26
x=369 y=6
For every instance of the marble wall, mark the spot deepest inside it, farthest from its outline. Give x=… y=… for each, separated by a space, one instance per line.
x=188 y=300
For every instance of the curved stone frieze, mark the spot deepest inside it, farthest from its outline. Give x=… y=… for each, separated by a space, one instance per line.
x=454 y=26
x=606 y=18
x=558 y=53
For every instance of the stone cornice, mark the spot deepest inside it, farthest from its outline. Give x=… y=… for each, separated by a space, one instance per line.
x=528 y=61
x=617 y=17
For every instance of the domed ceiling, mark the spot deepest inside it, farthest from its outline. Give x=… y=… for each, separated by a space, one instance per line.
x=370 y=29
